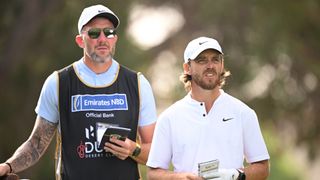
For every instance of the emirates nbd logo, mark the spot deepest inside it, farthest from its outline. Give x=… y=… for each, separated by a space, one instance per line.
x=99 y=102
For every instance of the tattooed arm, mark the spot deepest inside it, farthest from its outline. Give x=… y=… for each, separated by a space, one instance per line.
x=32 y=149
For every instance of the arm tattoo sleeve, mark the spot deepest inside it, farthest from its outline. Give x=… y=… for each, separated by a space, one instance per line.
x=32 y=149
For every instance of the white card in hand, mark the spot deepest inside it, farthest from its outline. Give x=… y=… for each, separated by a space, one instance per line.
x=208 y=167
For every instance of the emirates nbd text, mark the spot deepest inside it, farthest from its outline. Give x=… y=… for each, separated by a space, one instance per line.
x=99 y=102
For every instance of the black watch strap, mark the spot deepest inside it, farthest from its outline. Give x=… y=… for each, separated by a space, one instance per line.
x=136 y=151
x=242 y=175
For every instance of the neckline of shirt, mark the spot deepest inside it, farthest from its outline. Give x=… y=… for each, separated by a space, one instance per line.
x=96 y=80
x=201 y=105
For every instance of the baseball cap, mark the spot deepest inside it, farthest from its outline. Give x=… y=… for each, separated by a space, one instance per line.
x=90 y=12
x=196 y=46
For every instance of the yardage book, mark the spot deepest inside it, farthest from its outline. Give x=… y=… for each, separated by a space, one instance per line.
x=105 y=131
x=206 y=169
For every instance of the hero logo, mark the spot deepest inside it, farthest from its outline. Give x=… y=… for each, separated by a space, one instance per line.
x=89 y=148
x=89 y=132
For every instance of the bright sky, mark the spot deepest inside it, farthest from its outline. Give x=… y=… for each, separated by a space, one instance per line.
x=150 y=26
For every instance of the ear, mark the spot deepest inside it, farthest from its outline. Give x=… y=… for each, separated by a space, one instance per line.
x=222 y=65
x=79 y=41
x=186 y=68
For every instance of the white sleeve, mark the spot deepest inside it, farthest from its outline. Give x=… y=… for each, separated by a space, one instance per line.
x=47 y=106
x=161 y=150
x=148 y=113
x=254 y=146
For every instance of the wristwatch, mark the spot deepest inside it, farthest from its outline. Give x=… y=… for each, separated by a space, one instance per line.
x=136 y=151
x=242 y=175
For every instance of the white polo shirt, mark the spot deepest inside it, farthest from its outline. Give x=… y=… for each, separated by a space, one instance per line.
x=186 y=135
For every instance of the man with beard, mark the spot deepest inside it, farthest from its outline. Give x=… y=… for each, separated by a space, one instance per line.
x=93 y=90
x=207 y=126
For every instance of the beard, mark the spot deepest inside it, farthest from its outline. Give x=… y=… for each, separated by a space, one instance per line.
x=98 y=58
x=210 y=84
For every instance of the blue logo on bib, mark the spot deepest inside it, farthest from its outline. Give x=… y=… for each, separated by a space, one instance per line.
x=99 y=102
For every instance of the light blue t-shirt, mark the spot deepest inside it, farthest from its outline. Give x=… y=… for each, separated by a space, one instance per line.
x=48 y=107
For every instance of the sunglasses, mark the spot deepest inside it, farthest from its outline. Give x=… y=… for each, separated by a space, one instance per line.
x=94 y=33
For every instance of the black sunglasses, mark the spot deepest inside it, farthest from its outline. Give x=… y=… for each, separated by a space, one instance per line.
x=94 y=33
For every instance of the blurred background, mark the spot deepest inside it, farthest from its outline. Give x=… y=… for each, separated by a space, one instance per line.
x=272 y=50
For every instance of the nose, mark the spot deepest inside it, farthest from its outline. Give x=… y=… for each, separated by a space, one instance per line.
x=210 y=63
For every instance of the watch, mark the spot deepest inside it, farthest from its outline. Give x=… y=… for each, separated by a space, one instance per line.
x=242 y=175
x=136 y=151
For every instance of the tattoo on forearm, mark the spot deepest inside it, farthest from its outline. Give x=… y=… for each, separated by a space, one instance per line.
x=31 y=150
